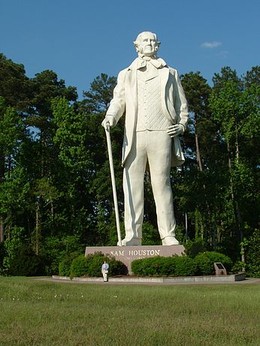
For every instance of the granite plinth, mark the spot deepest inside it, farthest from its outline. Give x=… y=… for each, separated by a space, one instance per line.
x=127 y=254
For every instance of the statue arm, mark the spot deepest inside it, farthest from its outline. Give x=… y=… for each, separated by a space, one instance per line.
x=180 y=102
x=180 y=106
x=117 y=105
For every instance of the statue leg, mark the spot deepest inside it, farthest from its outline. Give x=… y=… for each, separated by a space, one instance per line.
x=133 y=185
x=159 y=157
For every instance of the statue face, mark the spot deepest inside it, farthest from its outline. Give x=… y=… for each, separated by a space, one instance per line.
x=147 y=44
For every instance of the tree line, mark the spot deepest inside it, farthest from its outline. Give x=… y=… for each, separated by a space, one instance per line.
x=55 y=189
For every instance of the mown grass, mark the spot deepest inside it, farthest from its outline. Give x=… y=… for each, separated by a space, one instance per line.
x=36 y=312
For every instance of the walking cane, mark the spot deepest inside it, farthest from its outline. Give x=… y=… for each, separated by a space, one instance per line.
x=112 y=173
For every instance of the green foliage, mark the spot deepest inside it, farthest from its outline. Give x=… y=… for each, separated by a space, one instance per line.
x=116 y=267
x=14 y=194
x=153 y=266
x=184 y=266
x=94 y=264
x=238 y=267
x=14 y=242
x=46 y=86
x=253 y=255
x=64 y=266
x=79 y=266
x=26 y=263
x=70 y=135
x=56 y=250
x=54 y=169
x=14 y=86
x=164 y=266
x=202 y=264
x=205 y=262
x=11 y=127
x=19 y=257
x=2 y=256
x=194 y=247
x=150 y=234
x=90 y=265
x=101 y=92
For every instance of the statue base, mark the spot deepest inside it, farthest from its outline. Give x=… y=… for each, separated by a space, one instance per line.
x=127 y=254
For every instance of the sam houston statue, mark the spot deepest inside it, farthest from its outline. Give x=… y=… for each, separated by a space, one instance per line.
x=150 y=96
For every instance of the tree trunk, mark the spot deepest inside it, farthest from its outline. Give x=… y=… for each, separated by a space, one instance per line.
x=232 y=191
x=203 y=224
x=2 y=167
x=2 y=174
x=198 y=157
x=37 y=227
x=1 y=230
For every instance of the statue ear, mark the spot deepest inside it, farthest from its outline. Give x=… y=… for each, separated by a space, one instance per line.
x=136 y=46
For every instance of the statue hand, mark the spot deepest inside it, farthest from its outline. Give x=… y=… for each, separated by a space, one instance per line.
x=108 y=121
x=175 y=130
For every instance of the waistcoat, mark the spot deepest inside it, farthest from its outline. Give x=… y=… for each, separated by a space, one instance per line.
x=150 y=114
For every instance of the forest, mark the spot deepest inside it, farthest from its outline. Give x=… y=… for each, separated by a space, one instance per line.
x=55 y=188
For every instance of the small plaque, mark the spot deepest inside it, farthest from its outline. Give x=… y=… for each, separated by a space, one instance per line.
x=220 y=269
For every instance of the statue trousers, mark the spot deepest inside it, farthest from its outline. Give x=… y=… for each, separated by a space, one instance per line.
x=154 y=148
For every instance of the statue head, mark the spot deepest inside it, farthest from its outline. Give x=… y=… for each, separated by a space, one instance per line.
x=147 y=44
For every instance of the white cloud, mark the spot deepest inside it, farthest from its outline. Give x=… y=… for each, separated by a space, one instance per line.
x=212 y=44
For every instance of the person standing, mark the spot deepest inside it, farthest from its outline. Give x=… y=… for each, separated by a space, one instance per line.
x=104 y=271
x=150 y=96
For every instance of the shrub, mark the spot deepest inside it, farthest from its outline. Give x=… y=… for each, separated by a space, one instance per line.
x=116 y=267
x=2 y=256
x=153 y=266
x=55 y=249
x=150 y=234
x=164 y=266
x=205 y=262
x=95 y=262
x=65 y=264
x=253 y=255
x=79 y=266
x=238 y=267
x=194 y=247
x=26 y=263
x=90 y=265
x=184 y=266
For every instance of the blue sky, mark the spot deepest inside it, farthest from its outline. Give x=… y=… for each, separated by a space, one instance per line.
x=81 y=39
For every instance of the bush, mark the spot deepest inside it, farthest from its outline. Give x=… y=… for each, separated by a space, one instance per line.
x=90 y=265
x=205 y=262
x=116 y=267
x=79 y=266
x=65 y=264
x=253 y=255
x=153 y=266
x=238 y=267
x=26 y=263
x=194 y=247
x=164 y=266
x=95 y=262
x=2 y=256
x=184 y=266
x=56 y=249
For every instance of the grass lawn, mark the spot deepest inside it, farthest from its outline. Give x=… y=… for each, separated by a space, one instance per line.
x=37 y=312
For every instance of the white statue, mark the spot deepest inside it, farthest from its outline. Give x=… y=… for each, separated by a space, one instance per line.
x=150 y=95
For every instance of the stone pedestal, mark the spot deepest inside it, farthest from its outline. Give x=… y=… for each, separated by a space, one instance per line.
x=127 y=254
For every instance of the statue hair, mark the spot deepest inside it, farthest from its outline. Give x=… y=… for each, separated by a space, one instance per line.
x=136 y=42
